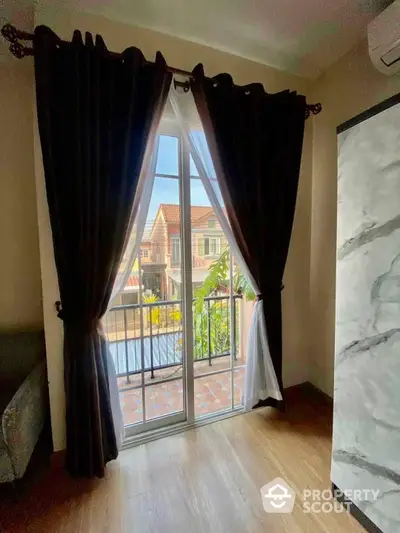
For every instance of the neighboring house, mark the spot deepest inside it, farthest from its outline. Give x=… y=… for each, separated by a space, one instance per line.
x=145 y=252
x=160 y=254
x=130 y=294
x=208 y=241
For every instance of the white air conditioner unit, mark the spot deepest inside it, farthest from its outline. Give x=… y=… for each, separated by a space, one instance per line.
x=384 y=40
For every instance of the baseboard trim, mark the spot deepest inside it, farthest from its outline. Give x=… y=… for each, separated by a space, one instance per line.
x=361 y=518
x=328 y=398
x=306 y=389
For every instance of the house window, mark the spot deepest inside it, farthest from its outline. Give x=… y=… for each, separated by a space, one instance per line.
x=212 y=246
x=175 y=250
x=144 y=253
x=211 y=223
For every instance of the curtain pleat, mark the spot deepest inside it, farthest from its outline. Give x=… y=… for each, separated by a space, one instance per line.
x=255 y=140
x=97 y=112
x=260 y=378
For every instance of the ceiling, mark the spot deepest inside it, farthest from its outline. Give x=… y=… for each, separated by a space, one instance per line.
x=300 y=36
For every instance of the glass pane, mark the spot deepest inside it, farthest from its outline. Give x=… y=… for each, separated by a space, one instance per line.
x=210 y=276
x=146 y=341
x=193 y=168
x=200 y=142
x=165 y=195
x=162 y=284
x=238 y=377
x=198 y=194
x=123 y=345
x=212 y=394
x=212 y=335
x=132 y=406
x=167 y=161
x=164 y=399
x=163 y=340
x=244 y=305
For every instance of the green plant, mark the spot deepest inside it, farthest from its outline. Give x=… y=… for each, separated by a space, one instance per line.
x=241 y=285
x=211 y=318
x=218 y=278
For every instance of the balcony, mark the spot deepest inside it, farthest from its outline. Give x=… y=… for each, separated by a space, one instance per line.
x=155 y=330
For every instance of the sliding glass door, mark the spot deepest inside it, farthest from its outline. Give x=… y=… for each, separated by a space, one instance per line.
x=175 y=330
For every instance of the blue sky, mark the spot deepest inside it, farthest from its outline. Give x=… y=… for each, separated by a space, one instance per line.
x=166 y=190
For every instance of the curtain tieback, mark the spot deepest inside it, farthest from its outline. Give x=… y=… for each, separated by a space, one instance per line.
x=270 y=290
x=92 y=325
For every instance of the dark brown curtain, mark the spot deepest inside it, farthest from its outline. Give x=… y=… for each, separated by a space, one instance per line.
x=96 y=114
x=255 y=140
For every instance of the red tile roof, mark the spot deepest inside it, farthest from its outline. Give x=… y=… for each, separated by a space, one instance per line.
x=172 y=212
x=133 y=281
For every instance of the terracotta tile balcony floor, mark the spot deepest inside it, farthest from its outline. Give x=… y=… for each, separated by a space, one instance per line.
x=213 y=393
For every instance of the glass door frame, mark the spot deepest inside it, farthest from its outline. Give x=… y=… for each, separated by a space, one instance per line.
x=186 y=231
x=186 y=416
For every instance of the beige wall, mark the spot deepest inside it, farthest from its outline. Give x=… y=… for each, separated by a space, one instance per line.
x=20 y=282
x=350 y=86
x=185 y=55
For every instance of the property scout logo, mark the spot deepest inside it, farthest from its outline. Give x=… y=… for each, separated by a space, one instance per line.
x=278 y=497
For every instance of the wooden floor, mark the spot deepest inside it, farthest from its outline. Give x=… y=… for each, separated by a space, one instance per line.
x=204 y=480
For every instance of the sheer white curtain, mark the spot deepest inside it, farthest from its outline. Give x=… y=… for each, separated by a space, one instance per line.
x=132 y=246
x=260 y=378
x=138 y=220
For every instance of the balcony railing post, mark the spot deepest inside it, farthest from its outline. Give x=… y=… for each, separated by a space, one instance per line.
x=209 y=333
x=128 y=380
x=151 y=344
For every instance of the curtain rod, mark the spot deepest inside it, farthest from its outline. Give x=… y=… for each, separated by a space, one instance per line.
x=14 y=35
